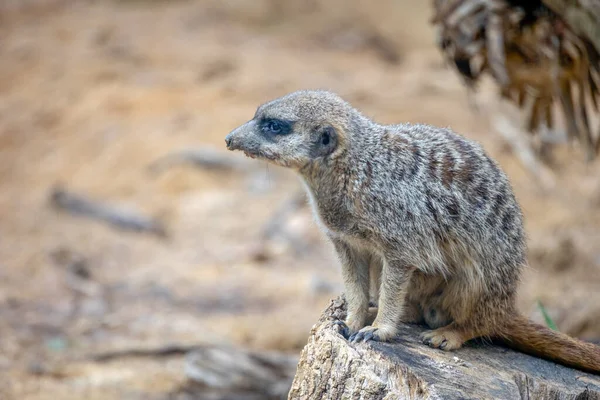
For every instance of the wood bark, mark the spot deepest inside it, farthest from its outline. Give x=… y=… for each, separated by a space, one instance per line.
x=332 y=368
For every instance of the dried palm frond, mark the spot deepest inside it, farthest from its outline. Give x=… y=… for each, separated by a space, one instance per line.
x=534 y=56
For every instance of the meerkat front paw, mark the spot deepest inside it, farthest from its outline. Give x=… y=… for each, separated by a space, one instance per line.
x=373 y=333
x=356 y=321
x=444 y=339
x=343 y=329
x=353 y=323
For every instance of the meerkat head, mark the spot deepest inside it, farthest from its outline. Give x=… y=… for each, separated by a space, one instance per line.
x=295 y=130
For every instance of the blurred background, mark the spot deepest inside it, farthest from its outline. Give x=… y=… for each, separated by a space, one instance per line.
x=129 y=235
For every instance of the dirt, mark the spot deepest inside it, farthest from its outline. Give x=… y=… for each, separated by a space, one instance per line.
x=92 y=93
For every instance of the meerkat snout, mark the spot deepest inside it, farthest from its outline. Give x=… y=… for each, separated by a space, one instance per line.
x=241 y=137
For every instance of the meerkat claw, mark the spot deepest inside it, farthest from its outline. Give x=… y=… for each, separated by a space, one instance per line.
x=431 y=344
x=443 y=340
x=364 y=335
x=343 y=329
x=368 y=336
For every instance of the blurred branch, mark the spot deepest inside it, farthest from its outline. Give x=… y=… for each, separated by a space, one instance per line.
x=521 y=149
x=275 y=227
x=76 y=204
x=386 y=49
x=205 y=158
x=163 y=351
x=225 y=370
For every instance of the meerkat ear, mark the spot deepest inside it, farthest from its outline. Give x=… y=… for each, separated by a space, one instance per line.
x=326 y=141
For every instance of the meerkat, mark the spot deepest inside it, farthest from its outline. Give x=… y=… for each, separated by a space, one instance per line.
x=424 y=222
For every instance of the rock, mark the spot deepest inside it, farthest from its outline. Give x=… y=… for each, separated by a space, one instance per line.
x=332 y=368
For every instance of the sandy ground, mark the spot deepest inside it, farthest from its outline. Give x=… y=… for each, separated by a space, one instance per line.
x=91 y=93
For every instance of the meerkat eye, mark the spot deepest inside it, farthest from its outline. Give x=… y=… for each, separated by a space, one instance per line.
x=275 y=126
x=325 y=138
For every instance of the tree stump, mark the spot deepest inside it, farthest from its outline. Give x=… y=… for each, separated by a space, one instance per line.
x=332 y=368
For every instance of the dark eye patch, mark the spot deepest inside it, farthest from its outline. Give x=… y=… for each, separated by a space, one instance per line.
x=274 y=126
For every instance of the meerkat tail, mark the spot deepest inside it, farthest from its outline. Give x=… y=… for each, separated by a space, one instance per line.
x=522 y=334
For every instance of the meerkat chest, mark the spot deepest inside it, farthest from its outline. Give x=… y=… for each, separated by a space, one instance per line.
x=334 y=217
x=330 y=213
x=331 y=220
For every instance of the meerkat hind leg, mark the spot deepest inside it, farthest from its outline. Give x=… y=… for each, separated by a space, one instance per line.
x=413 y=313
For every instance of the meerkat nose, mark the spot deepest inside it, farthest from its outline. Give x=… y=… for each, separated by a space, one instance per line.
x=228 y=140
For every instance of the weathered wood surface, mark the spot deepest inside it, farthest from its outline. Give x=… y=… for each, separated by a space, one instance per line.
x=332 y=368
